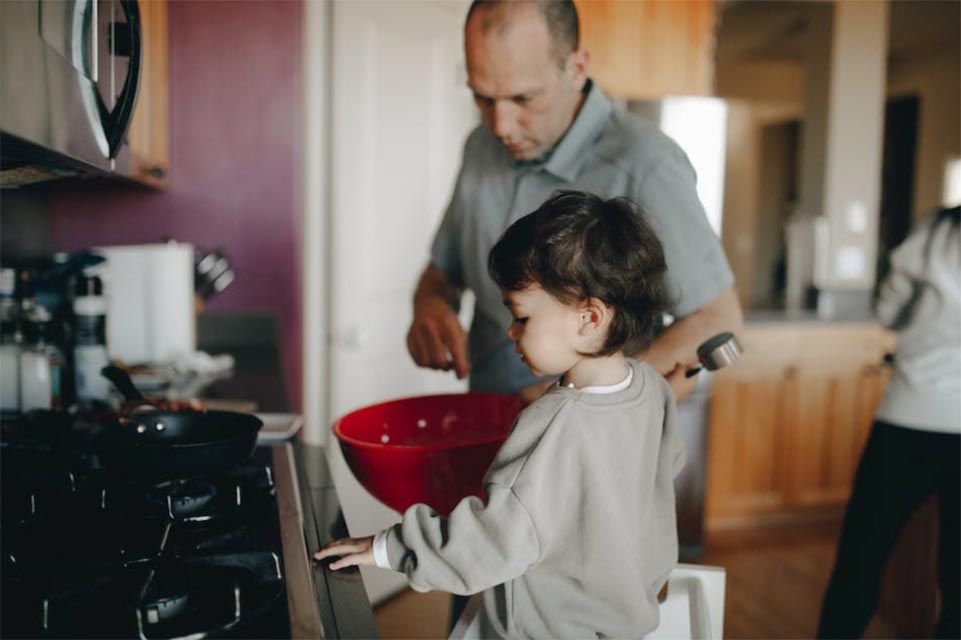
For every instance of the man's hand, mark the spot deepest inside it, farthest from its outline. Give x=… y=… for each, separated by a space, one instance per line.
x=355 y=552
x=436 y=339
x=533 y=392
x=675 y=350
x=681 y=385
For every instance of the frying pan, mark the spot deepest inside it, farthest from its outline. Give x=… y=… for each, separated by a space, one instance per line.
x=161 y=445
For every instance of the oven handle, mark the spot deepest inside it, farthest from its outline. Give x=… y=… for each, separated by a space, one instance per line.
x=128 y=44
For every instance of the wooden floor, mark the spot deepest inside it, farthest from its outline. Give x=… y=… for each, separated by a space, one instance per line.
x=774 y=590
x=775 y=586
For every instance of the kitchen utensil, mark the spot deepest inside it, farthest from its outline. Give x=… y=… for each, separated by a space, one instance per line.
x=212 y=273
x=430 y=449
x=135 y=401
x=157 y=445
x=279 y=427
x=716 y=353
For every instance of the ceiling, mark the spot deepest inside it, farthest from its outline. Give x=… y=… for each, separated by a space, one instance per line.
x=763 y=29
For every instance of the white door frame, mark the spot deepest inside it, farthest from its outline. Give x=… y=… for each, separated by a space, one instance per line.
x=316 y=202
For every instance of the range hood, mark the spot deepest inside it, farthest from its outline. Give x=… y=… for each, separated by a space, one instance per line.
x=69 y=74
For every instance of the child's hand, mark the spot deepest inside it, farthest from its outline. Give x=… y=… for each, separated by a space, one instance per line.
x=357 y=552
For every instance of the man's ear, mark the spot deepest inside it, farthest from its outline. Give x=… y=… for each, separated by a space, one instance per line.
x=578 y=65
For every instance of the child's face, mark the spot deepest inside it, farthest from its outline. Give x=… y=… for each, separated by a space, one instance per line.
x=546 y=333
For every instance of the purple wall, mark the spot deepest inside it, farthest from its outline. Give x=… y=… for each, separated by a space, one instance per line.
x=235 y=148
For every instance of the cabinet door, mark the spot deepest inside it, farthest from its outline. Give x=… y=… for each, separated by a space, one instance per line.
x=789 y=421
x=823 y=438
x=148 y=136
x=649 y=48
x=830 y=418
x=746 y=465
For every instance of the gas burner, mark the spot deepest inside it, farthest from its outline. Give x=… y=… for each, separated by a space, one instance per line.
x=193 y=598
x=229 y=496
x=207 y=595
x=32 y=495
x=87 y=553
x=184 y=499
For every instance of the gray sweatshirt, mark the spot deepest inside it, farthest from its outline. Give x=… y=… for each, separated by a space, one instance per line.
x=577 y=533
x=925 y=388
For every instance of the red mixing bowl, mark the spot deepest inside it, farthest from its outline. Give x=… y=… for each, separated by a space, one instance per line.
x=426 y=449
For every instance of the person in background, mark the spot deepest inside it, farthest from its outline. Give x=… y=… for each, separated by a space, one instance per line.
x=576 y=534
x=914 y=449
x=547 y=126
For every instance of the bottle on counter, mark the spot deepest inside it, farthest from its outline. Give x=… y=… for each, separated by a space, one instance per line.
x=40 y=364
x=90 y=341
x=11 y=341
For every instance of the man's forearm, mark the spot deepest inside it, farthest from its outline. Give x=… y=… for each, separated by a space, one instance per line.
x=434 y=283
x=678 y=344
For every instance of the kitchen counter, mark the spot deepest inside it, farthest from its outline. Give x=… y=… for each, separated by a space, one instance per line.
x=784 y=316
x=252 y=340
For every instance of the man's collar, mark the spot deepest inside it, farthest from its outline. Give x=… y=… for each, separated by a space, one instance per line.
x=570 y=154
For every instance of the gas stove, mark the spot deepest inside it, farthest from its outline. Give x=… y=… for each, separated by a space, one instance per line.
x=89 y=554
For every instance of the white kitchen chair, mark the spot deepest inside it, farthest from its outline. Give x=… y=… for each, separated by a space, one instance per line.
x=694 y=607
x=692 y=610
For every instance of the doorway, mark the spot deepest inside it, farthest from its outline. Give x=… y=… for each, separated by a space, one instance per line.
x=897 y=177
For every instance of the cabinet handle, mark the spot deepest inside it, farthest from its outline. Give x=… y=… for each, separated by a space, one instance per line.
x=790 y=372
x=156 y=172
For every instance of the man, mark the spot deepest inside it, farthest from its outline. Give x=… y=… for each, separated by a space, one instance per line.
x=546 y=126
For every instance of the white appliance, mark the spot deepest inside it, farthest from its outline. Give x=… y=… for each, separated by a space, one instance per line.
x=150 y=302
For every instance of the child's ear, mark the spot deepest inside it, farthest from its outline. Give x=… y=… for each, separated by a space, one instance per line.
x=595 y=317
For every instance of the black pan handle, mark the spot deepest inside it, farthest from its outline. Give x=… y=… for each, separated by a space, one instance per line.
x=121 y=380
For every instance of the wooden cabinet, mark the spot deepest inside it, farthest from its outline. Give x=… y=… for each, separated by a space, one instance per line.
x=649 y=48
x=148 y=135
x=789 y=421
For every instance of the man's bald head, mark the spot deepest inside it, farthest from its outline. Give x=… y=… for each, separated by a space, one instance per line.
x=560 y=17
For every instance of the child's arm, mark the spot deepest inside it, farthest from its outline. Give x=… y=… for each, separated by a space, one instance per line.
x=481 y=544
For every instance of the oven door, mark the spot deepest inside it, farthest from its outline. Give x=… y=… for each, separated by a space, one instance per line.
x=70 y=74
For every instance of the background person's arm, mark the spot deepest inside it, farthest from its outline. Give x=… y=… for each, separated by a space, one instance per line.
x=436 y=339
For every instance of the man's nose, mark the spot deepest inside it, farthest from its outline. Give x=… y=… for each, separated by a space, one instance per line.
x=511 y=333
x=503 y=120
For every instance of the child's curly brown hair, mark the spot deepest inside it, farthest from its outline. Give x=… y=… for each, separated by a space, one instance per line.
x=578 y=246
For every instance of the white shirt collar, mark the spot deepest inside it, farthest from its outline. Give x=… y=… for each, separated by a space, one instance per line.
x=605 y=388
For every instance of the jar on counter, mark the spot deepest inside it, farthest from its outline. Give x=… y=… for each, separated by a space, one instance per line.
x=41 y=363
x=90 y=340
x=11 y=340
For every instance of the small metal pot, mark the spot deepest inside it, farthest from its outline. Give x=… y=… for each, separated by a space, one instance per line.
x=718 y=352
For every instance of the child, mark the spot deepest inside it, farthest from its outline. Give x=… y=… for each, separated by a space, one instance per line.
x=577 y=534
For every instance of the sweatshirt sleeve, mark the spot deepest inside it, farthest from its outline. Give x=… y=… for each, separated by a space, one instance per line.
x=907 y=265
x=480 y=545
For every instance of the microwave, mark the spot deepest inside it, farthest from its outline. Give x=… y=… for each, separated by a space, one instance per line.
x=69 y=76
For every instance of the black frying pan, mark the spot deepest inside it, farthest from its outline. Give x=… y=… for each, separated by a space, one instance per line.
x=161 y=445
